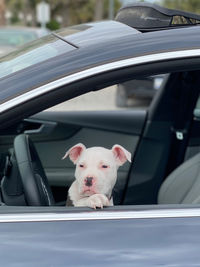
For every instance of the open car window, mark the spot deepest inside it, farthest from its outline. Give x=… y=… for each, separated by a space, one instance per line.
x=137 y=93
x=82 y=120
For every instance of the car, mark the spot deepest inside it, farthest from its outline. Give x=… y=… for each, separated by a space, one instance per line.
x=156 y=217
x=138 y=92
x=13 y=36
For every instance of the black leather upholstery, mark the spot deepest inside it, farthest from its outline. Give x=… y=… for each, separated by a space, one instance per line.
x=26 y=182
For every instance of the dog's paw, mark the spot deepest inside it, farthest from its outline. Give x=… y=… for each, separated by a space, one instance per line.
x=98 y=201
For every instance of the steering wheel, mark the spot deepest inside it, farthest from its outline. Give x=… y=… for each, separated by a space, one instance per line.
x=34 y=181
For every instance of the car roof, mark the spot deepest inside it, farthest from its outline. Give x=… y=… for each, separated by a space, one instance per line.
x=91 y=34
x=123 y=44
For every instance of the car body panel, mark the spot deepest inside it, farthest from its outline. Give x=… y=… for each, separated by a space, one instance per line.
x=91 y=33
x=121 y=235
x=88 y=242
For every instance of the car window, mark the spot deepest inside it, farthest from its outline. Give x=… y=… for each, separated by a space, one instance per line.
x=136 y=93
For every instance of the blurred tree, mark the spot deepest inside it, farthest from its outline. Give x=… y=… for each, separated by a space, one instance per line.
x=117 y=6
x=26 y=8
x=80 y=11
x=2 y=12
x=53 y=25
x=98 y=11
x=186 y=5
x=69 y=11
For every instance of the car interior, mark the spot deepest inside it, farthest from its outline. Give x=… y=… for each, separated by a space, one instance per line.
x=162 y=138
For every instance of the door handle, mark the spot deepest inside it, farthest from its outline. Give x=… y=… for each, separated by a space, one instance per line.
x=43 y=127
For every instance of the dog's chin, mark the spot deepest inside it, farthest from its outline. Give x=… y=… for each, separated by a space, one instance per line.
x=88 y=192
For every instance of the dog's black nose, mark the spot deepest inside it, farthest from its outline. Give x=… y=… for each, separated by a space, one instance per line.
x=88 y=181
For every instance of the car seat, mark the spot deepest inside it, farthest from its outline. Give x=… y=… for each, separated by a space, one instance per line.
x=182 y=186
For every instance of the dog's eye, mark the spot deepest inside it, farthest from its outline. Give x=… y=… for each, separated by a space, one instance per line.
x=105 y=166
x=81 y=165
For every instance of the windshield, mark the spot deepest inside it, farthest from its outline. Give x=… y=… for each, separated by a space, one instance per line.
x=33 y=53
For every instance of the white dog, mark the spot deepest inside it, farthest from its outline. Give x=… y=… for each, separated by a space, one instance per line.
x=96 y=174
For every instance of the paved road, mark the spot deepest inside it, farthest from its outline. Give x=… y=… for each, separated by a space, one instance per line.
x=101 y=100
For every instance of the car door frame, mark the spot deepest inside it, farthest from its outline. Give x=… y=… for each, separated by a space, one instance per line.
x=81 y=82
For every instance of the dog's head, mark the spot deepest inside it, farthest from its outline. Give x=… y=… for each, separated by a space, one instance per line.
x=96 y=167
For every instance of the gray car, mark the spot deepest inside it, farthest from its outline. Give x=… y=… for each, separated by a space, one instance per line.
x=156 y=217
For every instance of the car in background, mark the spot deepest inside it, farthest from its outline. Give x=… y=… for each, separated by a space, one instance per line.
x=138 y=92
x=12 y=37
x=156 y=217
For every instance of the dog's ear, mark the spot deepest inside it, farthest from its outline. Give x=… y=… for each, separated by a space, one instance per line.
x=75 y=152
x=121 y=154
